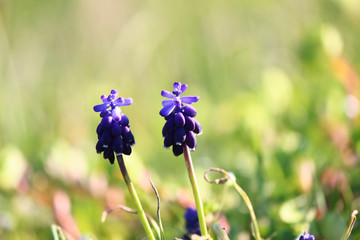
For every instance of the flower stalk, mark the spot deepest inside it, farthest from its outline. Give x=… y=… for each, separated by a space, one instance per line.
x=135 y=198
x=196 y=192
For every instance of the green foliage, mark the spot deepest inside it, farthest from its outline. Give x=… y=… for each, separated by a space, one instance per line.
x=58 y=233
x=278 y=91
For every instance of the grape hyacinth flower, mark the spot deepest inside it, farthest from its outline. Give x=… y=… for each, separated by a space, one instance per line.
x=179 y=132
x=180 y=127
x=306 y=236
x=114 y=135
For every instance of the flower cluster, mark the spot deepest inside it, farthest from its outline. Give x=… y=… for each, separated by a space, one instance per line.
x=180 y=127
x=114 y=135
x=306 y=236
x=191 y=223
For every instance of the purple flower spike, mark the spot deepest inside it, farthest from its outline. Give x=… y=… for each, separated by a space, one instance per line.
x=306 y=236
x=114 y=135
x=180 y=128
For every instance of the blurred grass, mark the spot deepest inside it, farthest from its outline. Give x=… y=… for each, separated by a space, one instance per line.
x=273 y=79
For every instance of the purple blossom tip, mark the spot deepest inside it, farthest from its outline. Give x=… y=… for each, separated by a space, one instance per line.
x=170 y=104
x=177 y=85
x=179 y=88
x=183 y=87
x=110 y=102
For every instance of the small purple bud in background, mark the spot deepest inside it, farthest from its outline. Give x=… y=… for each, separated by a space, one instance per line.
x=114 y=135
x=192 y=221
x=306 y=236
x=180 y=123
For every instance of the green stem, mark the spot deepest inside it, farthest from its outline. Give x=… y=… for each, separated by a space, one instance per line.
x=195 y=188
x=54 y=232
x=251 y=210
x=242 y=193
x=135 y=198
x=347 y=233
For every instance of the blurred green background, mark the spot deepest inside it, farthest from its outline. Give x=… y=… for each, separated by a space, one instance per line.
x=279 y=107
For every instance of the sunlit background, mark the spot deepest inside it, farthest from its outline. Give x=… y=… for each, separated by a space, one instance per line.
x=279 y=106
